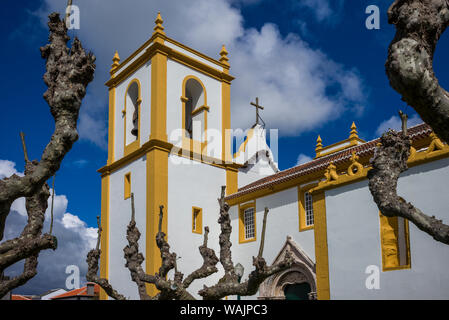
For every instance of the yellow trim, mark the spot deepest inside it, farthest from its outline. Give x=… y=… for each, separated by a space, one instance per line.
x=415 y=159
x=133 y=146
x=198 y=222
x=127 y=186
x=321 y=152
x=232 y=176
x=188 y=143
x=389 y=243
x=111 y=131
x=302 y=205
x=168 y=147
x=159 y=97
x=242 y=208
x=104 y=258
x=157 y=194
x=157 y=47
x=226 y=122
x=321 y=249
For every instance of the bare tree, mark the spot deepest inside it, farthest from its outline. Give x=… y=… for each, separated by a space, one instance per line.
x=419 y=25
x=176 y=288
x=68 y=72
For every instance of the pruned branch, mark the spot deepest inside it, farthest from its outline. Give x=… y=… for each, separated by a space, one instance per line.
x=92 y=262
x=419 y=25
x=389 y=161
x=67 y=76
x=229 y=284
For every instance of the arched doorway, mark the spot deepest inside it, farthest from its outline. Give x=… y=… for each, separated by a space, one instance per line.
x=297 y=291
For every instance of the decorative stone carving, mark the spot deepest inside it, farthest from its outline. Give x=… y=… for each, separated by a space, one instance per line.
x=302 y=271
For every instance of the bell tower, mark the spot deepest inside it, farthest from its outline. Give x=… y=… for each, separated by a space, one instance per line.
x=169 y=107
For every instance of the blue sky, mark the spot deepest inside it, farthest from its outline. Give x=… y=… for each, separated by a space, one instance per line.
x=339 y=61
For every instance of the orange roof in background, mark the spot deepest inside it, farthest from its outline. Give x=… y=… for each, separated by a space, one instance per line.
x=78 y=292
x=417 y=132
x=19 y=297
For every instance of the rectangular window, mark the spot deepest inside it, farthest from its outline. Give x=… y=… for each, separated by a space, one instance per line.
x=395 y=243
x=305 y=207
x=127 y=185
x=197 y=220
x=247 y=222
x=308 y=208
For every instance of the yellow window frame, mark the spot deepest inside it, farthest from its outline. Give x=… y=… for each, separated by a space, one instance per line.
x=127 y=185
x=242 y=208
x=197 y=220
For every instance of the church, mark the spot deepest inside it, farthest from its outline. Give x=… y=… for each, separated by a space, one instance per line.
x=170 y=143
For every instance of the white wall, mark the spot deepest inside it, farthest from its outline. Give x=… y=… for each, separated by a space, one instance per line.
x=119 y=217
x=353 y=237
x=282 y=221
x=193 y=184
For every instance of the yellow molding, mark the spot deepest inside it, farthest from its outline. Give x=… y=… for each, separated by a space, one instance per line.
x=321 y=248
x=104 y=258
x=127 y=186
x=242 y=208
x=159 y=97
x=157 y=194
x=232 y=176
x=171 y=54
x=226 y=122
x=168 y=147
x=389 y=242
x=198 y=222
x=133 y=146
x=321 y=152
x=302 y=205
x=111 y=131
x=342 y=179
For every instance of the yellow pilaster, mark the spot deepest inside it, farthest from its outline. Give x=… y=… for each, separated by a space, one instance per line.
x=226 y=122
x=159 y=97
x=321 y=251
x=111 y=125
x=231 y=181
x=157 y=158
x=157 y=194
x=104 y=258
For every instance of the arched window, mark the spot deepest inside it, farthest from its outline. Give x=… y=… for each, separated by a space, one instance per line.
x=132 y=116
x=195 y=109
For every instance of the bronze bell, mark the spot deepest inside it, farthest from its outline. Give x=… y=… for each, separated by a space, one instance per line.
x=134 y=131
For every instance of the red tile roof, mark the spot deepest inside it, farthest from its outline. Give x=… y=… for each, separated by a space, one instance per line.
x=19 y=297
x=366 y=149
x=77 y=292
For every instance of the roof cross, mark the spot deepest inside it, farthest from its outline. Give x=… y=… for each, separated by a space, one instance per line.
x=257 y=109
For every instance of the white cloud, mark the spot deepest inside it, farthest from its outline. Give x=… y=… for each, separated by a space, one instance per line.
x=395 y=123
x=75 y=239
x=303 y=158
x=7 y=169
x=291 y=79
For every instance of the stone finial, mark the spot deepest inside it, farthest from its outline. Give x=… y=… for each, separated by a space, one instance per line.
x=353 y=133
x=319 y=145
x=159 y=28
x=115 y=61
x=224 y=56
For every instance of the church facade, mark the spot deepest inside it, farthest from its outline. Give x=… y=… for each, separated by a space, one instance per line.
x=170 y=144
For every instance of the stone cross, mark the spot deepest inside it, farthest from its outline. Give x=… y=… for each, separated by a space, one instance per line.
x=257 y=109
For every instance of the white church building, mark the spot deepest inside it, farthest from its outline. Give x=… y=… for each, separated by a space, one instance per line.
x=170 y=144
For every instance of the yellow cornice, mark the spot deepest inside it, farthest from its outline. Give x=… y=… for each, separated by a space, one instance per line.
x=152 y=45
x=169 y=148
x=171 y=54
x=341 y=175
x=321 y=152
